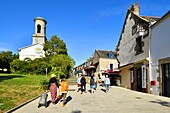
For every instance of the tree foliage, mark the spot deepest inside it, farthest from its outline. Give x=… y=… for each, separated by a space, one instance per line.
x=61 y=63
x=18 y=67
x=56 y=61
x=6 y=58
x=55 y=46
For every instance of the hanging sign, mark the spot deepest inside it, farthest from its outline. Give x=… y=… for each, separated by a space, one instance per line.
x=131 y=74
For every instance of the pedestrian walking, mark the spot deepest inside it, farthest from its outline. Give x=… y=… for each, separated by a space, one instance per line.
x=103 y=79
x=53 y=85
x=92 y=84
x=83 y=84
x=79 y=83
x=107 y=83
x=64 y=90
x=95 y=80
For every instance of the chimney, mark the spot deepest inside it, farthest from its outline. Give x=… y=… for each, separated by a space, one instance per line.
x=135 y=8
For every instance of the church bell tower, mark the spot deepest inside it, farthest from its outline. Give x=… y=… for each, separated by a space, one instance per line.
x=39 y=37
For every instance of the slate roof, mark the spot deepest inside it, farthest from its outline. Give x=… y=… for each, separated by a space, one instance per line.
x=105 y=54
x=150 y=18
x=28 y=46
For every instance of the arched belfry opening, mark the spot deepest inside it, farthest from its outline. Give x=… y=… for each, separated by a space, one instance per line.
x=38 y=28
x=40 y=31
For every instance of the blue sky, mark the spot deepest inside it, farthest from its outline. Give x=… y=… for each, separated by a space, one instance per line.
x=84 y=25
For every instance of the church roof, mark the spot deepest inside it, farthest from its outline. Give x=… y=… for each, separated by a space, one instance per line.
x=40 y=18
x=28 y=46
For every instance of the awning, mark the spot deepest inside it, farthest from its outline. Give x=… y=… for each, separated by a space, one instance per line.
x=89 y=67
x=95 y=64
x=111 y=72
x=131 y=64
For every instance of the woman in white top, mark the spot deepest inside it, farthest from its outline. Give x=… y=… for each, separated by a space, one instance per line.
x=103 y=79
x=78 y=83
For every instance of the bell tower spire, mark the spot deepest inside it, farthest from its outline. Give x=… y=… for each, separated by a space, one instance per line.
x=39 y=37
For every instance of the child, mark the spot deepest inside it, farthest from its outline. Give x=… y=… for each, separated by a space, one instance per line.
x=64 y=90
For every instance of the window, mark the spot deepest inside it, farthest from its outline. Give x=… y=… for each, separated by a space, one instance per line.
x=134 y=29
x=167 y=71
x=111 y=66
x=110 y=55
x=38 y=28
x=139 y=45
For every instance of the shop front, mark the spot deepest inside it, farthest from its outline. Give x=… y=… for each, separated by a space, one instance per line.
x=114 y=76
x=139 y=77
x=90 y=70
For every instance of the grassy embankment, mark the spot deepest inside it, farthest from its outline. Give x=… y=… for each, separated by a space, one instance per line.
x=17 y=89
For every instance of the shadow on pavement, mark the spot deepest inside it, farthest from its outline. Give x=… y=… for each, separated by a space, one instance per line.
x=48 y=103
x=69 y=98
x=89 y=90
x=76 y=111
x=103 y=90
x=58 y=99
x=163 y=103
x=79 y=89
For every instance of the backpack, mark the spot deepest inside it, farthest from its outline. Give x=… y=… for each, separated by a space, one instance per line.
x=91 y=81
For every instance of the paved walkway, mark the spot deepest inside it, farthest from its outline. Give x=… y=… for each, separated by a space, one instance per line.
x=117 y=100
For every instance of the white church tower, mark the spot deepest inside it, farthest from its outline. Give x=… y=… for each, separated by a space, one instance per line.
x=40 y=31
x=38 y=40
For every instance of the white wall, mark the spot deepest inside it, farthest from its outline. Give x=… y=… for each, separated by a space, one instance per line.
x=125 y=77
x=159 y=47
x=127 y=44
x=31 y=52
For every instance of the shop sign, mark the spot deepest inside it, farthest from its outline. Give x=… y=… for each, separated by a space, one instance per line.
x=143 y=76
x=131 y=74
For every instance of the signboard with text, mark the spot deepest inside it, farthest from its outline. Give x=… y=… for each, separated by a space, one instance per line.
x=143 y=76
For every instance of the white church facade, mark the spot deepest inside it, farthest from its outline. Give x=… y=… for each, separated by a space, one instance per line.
x=38 y=40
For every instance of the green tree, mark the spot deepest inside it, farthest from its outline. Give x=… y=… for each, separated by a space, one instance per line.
x=6 y=58
x=19 y=67
x=56 y=60
x=55 y=46
x=38 y=66
x=61 y=64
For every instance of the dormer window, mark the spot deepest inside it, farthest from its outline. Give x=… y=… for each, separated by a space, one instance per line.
x=110 y=55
